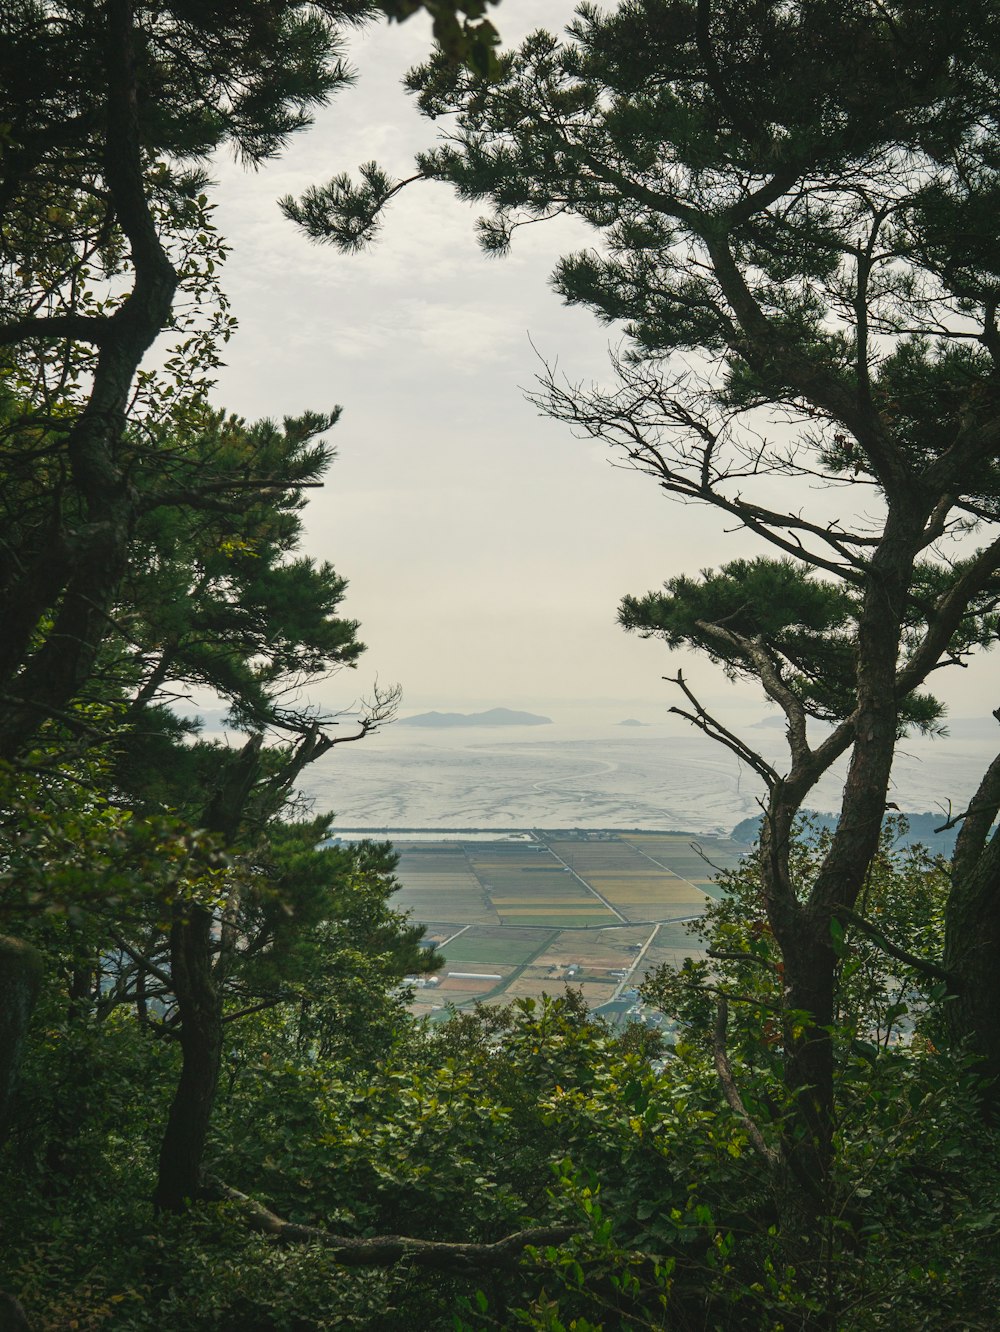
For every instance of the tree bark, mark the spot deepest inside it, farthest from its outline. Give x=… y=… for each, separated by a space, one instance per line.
x=972 y=935
x=85 y=577
x=972 y=957
x=386 y=1250
x=20 y=981
x=199 y=1002
x=809 y=966
x=802 y=925
x=12 y=1317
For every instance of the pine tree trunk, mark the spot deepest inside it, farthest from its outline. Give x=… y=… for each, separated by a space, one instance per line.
x=81 y=568
x=972 y=956
x=20 y=981
x=199 y=1001
x=809 y=965
x=183 y=1146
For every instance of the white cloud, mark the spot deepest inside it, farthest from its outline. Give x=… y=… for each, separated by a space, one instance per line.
x=487 y=549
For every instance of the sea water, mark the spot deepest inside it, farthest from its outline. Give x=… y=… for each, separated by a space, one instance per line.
x=602 y=776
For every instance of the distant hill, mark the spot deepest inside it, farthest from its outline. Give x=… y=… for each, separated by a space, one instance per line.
x=955 y=728
x=631 y=721
x=922 y=829
x=494 y=717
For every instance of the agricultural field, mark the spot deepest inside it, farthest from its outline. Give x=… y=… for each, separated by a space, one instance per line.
x=699 y=860
x=527 y=885
x=439 y=885
x=516 y=918
x=635 y=887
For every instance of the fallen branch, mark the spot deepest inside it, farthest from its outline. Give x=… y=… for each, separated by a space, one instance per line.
x=384 y=1250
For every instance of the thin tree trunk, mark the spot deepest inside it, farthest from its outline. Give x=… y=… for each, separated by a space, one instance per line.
x=972 y=957
x=199 y=1001
x=183 y=1148
x=20 y=981
x=802 y=916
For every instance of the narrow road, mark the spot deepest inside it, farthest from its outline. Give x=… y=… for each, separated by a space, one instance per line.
x=626 y=980
x=660 y=865
x=593 y=891
x=445 y=942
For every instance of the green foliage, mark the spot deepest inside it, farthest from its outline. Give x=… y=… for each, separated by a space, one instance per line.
x=357 y=207
x=881 y=1000
x=67 y=849
x=247 y=76
x=216 y=596
x=532 y=1113
x=729 y=614
x=461 y=29
x=804 y=196
x=756 y=615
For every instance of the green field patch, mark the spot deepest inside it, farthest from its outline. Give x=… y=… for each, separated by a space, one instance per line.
x=519 y=904
x=436 y=930
x=677 y=935
x=547 y=899
x=562 y=920
x=528 y=936
x=515 y=951
x=525 y=914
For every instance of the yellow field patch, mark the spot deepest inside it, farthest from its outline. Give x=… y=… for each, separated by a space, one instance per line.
x=596 y=912
x=639 y=872
x=541 y=898
x=440 y=880
x=633 y=881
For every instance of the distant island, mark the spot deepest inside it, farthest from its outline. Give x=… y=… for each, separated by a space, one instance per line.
x=632 y=721
x=494 y=717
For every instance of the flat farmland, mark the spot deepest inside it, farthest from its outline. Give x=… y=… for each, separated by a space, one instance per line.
x=463 y=991
x=495 y=946
x=673 y=943
x=528 y=987
x=519 y=919
x=678 y=852
x=645 y=896
x=493 y=884
x=438 y=885
x=594 y=955
x=635 y=886
x=527 y=885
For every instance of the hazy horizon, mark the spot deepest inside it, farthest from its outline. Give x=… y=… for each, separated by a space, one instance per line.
x=486 y=548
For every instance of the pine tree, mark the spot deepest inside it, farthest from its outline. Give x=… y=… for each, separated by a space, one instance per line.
x=794 y=208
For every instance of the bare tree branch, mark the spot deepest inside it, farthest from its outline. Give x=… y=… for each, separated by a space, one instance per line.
x=716 y=731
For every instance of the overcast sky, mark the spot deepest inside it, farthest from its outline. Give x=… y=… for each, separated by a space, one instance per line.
x=486 y=548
